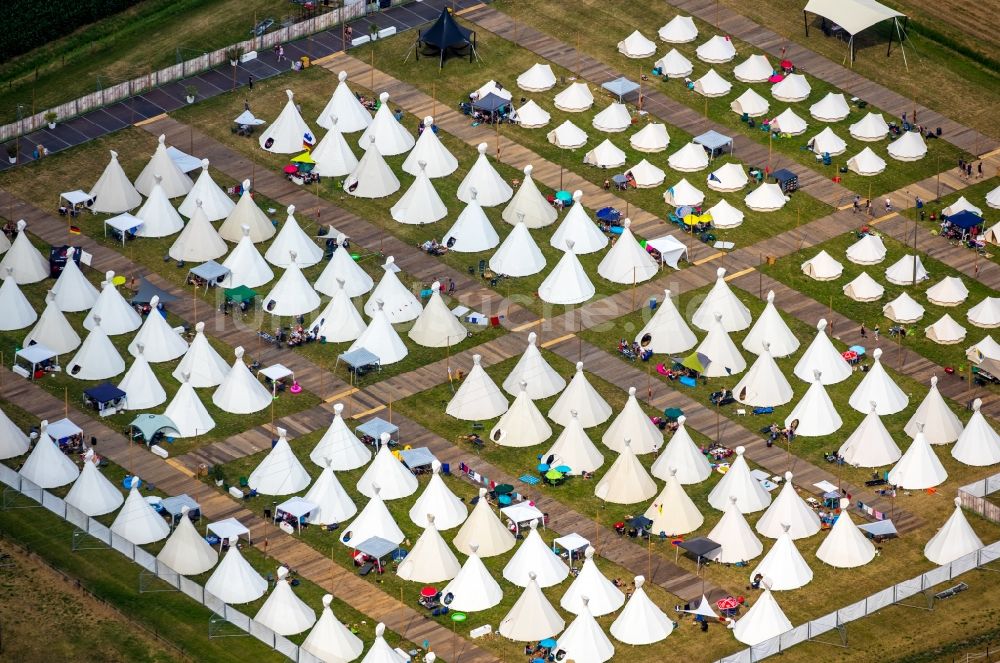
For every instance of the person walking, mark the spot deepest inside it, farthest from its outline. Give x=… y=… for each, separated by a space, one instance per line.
x=979 y=170
x=864 y=333
x=857 y=203
x=250 y=82
x=875 y=332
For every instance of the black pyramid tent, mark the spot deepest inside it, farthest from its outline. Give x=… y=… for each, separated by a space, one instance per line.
x=446 y=35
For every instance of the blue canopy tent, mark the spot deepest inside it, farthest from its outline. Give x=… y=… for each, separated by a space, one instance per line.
x=359 y=362
x=371 y=431
x=491 y=103
x=714 y=142
x=174 y=506
x=620 y=87
x=211 y=272
x=965 y=220
x=149 y=425
x=446 y=35
x=375 y=548
x=104 y=397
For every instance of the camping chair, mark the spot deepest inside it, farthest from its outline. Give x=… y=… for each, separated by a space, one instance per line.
x=482 y=268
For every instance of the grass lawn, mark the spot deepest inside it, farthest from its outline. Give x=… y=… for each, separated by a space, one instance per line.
x=500 y=55
x=600 y=43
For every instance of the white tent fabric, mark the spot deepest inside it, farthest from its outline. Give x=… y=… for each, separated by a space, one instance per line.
x=636 y=46
x=728 y=177
x=720 y=299
x=852 y=15
x=478 y=398
x=159 y=218
x=574 y=449
x=420 y=204
x=538 y=78
x=532 y=116
x=986 y=348
x=961 y=205
x=113 y=193
x=284 y=612
x=491 y=189
x=472 y=232
x=626 y=481
x=381 y=339
x=72 y=291
x=986 y=314
x=845 y=546
x=188 y=413
x=13 y=441
x=17 y=310
x=683 y=193
x=646 y=175
x=330 y=640
x=723 y=354
x=864 y=288
x=827 y=142
x=482 y=532
x=672 y=511
x=755 y=69
x=279 y=472
x=903 y=309
x=771 y=329
x=613 y=119
x=823 y=357
x=532 y=617
x=534 y=560
x=580 y=395
x=372 y=178
x=202 y=362
x=160 y=340
x=438 y=501
x=116 y=315
x=870 y=445
x=979 y=444
x=381 y=652
x=92 y=492
x=767 y=197
x=431 y=560
x=955 y=539
x=919 y=468
x=866 y=163
x=737 y=541
x=374 y=520
x=584 y=641
x=674 y=65
x=288 y=132
x=787 y=122
x=725 y=215
x=240 y=392
x=492 y=87
x=333 y=156
x=340 y=445
x=529 y=203
x=717 y=49
x=578 y=227
x=138 y=522
x=590 y=583
x=641 y=622
x=763 y=621
x=651 y=138
x=831 y=108
x=712 y=85
x=869 y=250
x=542 y=380
x=387 y=474
x=429 y=149
x=97 y=358
x=53 y=330
x=213 y=200
x=739 y=483
x=342 y=267
x=791 y=88
x=246 y=265
x=333 y=504
x=246 y=213
x=789 y=514
x=400 y=304
x=679 y=30
x=291 y=238
x=815 y=413
x=949 y=291
x=908 y=147
x=822 y=267
x=765 y=384
x=474 y=588
x=344 y=105
x=437 y=326
x=667 y=329
x=143 y=391
x=567 y=283
x=292 y=295
x=162 y=168
x=199 y=241
x=234 y=581
x=940 y=424
x=682 y=458
x=605 y=155
x=575 y=99
x=46 y=466
x=522 y=425
x=872 y=127
x=627 y=261
x=186 y=551
x=567 y=136
x=946 y=331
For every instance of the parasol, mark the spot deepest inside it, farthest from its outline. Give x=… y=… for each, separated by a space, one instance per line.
x=428 y=592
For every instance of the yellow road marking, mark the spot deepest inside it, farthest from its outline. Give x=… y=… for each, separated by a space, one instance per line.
x=708 y=259
x=740 y=273
x=549 y=344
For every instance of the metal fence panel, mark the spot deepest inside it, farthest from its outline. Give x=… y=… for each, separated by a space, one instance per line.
x=122 y=545
x=192 y=589
x=742 y=656
x=964 y=563
x=990 y=553
x=9 y=477
x=144 y=559
x=262 y=633
x=31 y=490
x=769 y=647
x=168 y=575
x=881 y=599
x=822 y=624
x=908 y=588
x=54 y=504
x=286 y=647
x=213 y=603
x=936 y=576
x=236 y=617
x=98 y=531
x=851 y=612
x=795 y=636
x=306 y=657
x=76 y=517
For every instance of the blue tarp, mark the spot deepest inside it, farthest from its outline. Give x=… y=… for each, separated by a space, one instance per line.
x=620 y=87
x=965 y=219
x=879 y=528
x=104 y=393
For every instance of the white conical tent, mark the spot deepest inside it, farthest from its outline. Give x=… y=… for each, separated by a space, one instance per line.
x=641 y=622
x=750 y=103
x=142 y=390
x=161 y=342
x=866 y=163
x=240 y=392
x=864 y=288
x=668 y=332
x=605 y=155
x=534 y=560
x=431 y=560
x=627 y=261
x=955 y=539
x=717 y=49
x=279 y=472
x=472 y=232
x=827 y=142
x=53 y=330
x=591 y=584
x=47 y=466
x=13 y=441
x=330 y=640
x=755 y=69
x=787 y=122
x=672 y=511
x=531 y=116
x=162 y=168
x=391 y=137
x=333 y=504
x=202 y=362
x=574 y=449
x=158 y=216
x=940 y=424
x=283 y=612
x=646 y=175
x=919 y=467
x=474 y=588
x=712 y=85
x=771 y=328
x=92 y=493
x=538 y=78
x=340 y=321
x=845 y=546
x=870 y=445
x=869 y=250
x=374 y=520
x=831 y=108
x=430 y=150
x=333 y=156
x=783 y=567
x=567 y=283
x=737 y=542
x=437 y=500
x=822 y=267
x=986 y=348
x=482 y=532
x=720 y=299
x=97 y=358
x=689 y=158
x=478 y=398
x=814 y=413
x=763 y=621
x=626 y=481
x=764 y=385
x=522 y=425
x=246 y=213
x=651 y=138
x=291 y=238
x=636 y=46
x=682 y=458
x=113 y=193
x=823 y=357
x=678 y=30
x=138 y=522
x=188 y=413
x=289 y=132
x=234 y=581
x=186 y=551
x=342 y=267
x=340 y=446
x=387 y=475
x=567 y=136
x=382 y=652
x=72 y=291
x=946 y=331
x=788 y=513
x=879 y=387
x=437 y=326
x=575 y=99
x=543 y=381
x=292 y=295
x=728 y=177
x=372 y=178
x=246 y=265
x=949 y=291
x=871 y=127
x=580 y=228
x=420 y=204
x=739 y=483
x=17 y=310
x=767 y=197
x=532 y=617
x=116 y=315
x=792 y=88
x=979 y=444
x=613 y=119
x=214 y=202
x=344 y=105
x=398 y=303
x=580 y=395
x=490 y=187
x=529 y=203
x=632 y=424
x=725 y=358
x=584 y=640
x=24 y=259
x=985 y=314
x=683 y=193
x=908 y=147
